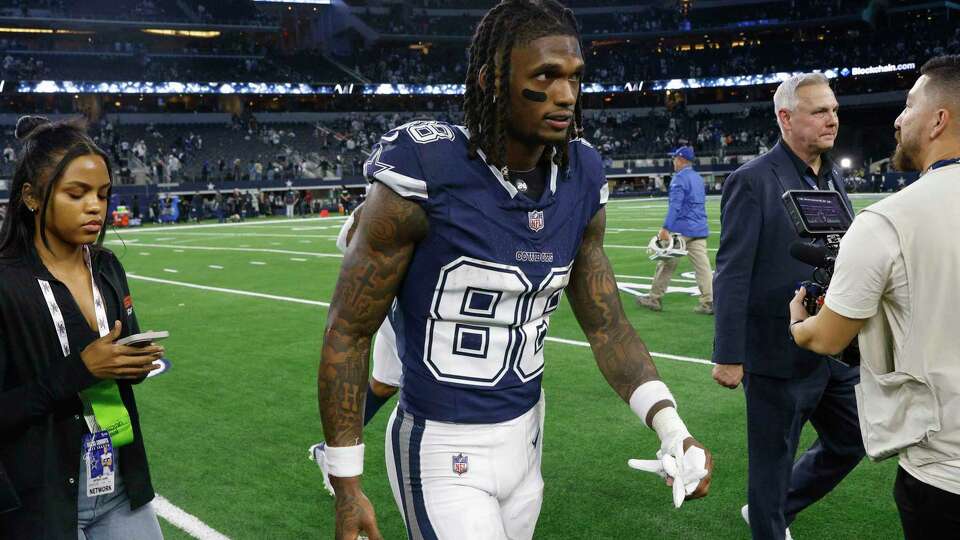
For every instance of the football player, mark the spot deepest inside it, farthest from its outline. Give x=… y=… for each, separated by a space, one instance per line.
x=476 y=231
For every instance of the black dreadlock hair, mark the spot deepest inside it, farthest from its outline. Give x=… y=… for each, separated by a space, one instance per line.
x=509 y=24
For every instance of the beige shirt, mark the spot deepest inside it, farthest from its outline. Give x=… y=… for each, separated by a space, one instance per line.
x=911 y=338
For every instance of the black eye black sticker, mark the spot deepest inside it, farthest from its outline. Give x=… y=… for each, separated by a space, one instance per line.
x=533 y=95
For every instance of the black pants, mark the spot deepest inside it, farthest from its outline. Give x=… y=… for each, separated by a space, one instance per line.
x=926 y=512
x=780 y=486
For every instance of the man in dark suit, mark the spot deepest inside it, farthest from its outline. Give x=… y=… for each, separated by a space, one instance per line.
x=785 y=386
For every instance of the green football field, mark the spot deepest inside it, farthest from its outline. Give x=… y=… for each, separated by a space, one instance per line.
x=228 y=426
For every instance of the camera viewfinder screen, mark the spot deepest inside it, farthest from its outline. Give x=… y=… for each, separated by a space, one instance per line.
x=823 y=211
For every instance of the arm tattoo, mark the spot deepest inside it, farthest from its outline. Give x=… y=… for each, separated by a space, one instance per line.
x=621 y=356
x=373 y=268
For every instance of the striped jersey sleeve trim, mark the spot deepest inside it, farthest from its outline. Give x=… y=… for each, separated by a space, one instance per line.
x=403 y=185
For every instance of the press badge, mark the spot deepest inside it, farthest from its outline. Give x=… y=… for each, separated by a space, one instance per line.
x=98 y=457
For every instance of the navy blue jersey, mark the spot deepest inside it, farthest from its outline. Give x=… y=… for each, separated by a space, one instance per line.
x=474 y=308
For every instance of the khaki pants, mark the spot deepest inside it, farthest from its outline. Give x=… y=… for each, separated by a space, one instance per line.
x=697 y=252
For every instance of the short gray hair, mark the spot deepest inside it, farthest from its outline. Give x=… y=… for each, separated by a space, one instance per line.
x=786 y=95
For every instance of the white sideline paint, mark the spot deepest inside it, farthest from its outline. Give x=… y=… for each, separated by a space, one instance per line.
x=144 y=253
x=215 y=267
x=252 y=250
x=258 y=263
x=297 y=259
x=185 y=522
x=325 y=304
x=170 y=270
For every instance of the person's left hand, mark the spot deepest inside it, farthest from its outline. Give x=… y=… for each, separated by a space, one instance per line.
x=797 y=311
x=664 y=235
x=687 y=468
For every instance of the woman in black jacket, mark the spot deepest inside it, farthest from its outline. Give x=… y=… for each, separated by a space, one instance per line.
x=72 y=461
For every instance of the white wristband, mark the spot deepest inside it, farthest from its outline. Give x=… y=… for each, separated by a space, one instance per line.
x=647 y=395
x=344 y=461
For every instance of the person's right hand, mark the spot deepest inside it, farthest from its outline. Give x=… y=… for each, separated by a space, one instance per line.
x=728 y=375
x=354 y=512
x=106 y=360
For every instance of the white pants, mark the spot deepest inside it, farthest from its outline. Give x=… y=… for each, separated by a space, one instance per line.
x=497 y=495
x=386 y=361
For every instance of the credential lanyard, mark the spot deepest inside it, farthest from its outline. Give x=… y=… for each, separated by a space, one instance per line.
x=103 y=398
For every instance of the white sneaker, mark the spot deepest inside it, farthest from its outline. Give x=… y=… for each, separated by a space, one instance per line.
x=746 y=517
x=318 y=454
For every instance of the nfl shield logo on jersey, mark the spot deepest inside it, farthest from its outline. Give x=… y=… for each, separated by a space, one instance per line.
x=535 y=220
x=460 y=464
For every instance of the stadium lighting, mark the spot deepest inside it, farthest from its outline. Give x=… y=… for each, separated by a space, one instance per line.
x=27 y=30
x=183 y=33
x=846 y=163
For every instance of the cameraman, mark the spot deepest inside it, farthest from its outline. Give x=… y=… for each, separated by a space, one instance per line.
x=895 y=284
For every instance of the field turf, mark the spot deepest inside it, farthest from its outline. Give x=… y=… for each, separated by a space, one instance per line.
x=228 y=427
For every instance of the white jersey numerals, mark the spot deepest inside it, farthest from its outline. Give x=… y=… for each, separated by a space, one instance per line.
x=486 y=319
x=422 y=132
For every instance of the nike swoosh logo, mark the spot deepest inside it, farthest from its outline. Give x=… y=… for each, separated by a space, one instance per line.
x=536 y=438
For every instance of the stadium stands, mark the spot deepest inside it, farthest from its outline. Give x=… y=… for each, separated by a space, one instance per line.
x=651 y=43
x=624 y=41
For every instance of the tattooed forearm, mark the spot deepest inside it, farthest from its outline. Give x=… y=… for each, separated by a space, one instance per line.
x=372 y=271
x=622 y=357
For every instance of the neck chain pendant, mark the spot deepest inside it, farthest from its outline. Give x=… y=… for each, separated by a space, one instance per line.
x=518 y=183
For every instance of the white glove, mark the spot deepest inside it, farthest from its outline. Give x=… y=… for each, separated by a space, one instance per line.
x=317 y=454
x=685 y=468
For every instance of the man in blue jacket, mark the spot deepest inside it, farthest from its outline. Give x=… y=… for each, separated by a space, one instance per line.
x=686 y=216
x=785 y=386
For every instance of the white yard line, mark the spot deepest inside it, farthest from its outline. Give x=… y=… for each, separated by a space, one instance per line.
x=172 y=229
x=654 y=354
x=325 y=304
x=187 y=523
x=650 y=278
x=616 y=246
x=230 y=291
x=249 y=250
x=243 y=235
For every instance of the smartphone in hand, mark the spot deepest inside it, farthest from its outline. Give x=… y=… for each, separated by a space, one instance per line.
x=143 y=338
